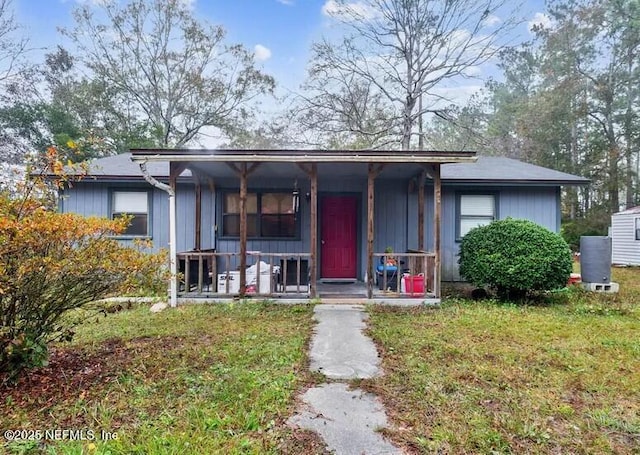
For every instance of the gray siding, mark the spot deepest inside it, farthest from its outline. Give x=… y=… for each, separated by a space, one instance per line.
x=450 y=246
x=395 y=208
x=86 y=199
x=185 y=214
x=159 y=215
x=538 y=204
x=625 y=249
x=207 y=228
x=92 y=199
x=390 y=209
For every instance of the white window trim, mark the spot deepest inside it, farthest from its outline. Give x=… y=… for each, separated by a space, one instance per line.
x=460 y=216
x=112 y=212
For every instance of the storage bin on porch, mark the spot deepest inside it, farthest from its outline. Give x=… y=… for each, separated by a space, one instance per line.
x=252 y=283
x=392 y=277
x=267 y=281
x=413 y=284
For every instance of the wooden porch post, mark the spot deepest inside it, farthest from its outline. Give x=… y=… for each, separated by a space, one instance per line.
x=372 y=174
x=422 y=177
x=243 y=172
x=370 y=201
x=437 y=209
x=314 y=229
x=312 y=172
x=243 y=228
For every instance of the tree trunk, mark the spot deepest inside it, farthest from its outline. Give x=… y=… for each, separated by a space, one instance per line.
x=628 y=135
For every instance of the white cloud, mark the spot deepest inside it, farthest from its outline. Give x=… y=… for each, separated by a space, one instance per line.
x=190 y=4
x=491 y=20
x=93 y=2
x=349 y=11
x=442 y=97
x=540 y=20
x=472 y=71
x=286 y=2
x=262 y=53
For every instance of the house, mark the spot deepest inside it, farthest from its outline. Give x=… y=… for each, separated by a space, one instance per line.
x=287 y=223
x=625 y=237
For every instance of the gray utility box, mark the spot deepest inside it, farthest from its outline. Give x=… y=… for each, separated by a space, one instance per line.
x=595 y=259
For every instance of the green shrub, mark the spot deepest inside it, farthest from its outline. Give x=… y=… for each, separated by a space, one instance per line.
x=515 y=258
x=594 y=224
x=52 y=263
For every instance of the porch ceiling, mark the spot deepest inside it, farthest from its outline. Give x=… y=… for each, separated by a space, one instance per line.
x=325 y=170
x=285 y=163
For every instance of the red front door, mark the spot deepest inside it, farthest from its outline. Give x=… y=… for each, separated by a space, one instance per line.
x=338 y=236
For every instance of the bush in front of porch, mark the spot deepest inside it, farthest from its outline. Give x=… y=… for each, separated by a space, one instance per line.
x=515 y=258
x=52 y=263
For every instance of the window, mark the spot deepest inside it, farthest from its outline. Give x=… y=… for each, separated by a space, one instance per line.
x=475 y=210
x=637 y=228
x=231 y=215
x=268 y=215
x=134 y=204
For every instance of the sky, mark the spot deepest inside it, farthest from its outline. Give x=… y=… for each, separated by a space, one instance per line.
x=280 y=32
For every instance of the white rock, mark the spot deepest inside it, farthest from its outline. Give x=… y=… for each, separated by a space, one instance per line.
x=158 y=307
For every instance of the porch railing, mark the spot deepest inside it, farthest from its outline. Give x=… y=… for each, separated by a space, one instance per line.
x=210 y=273
x=216 y=274
x=410 y=274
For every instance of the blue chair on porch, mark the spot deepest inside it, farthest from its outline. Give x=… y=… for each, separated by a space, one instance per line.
x=391 y=271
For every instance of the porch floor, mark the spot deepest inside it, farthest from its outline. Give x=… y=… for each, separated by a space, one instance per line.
x=349 y=292
x=354 y=290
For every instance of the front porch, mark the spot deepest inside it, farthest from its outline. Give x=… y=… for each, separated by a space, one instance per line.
x=306 y=225
x=285 y=276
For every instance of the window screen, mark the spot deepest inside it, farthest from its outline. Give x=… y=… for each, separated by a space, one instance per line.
x=268 y=215
x=135 y=204
x=476 y=210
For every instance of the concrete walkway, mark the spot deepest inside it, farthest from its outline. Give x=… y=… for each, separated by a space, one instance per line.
x=339 y=349
x=347 y=420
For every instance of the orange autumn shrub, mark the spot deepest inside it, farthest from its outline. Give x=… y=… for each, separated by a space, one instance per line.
x=51 y=263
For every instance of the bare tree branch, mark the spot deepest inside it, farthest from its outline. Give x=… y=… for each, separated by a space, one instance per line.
x=178 y=71
x=402 y=50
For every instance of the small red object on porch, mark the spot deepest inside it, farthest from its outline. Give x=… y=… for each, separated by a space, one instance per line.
x=574 y=278
x=414 y=284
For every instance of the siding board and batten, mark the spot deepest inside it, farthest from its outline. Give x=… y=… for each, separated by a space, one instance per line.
x=521 y=191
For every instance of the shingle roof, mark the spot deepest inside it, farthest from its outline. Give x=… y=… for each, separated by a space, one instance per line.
x=485 y=170
x=629 y=211
x=502 y=169
x=121 y=167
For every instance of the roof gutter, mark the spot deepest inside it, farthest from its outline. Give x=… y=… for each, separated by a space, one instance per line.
x=298 y=158
x=173 y=285
x=516 y=182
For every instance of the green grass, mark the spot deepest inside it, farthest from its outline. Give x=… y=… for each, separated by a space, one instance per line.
x=499 y=378
x=558 y=377
x=197 y=379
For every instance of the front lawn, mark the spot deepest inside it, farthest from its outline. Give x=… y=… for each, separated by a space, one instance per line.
x=198 y=379
x=498 y=378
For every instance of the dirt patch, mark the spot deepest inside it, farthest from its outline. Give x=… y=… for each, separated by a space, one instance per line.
x=68 y=369
x=73 y=374
x=303 y=441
